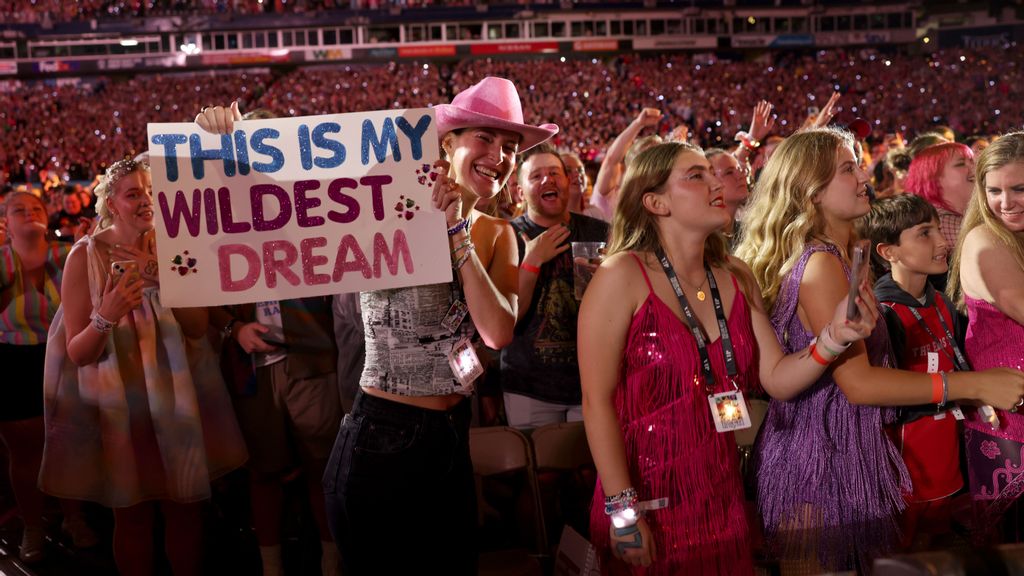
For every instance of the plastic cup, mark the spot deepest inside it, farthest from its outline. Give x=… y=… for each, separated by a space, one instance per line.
x=586 y=257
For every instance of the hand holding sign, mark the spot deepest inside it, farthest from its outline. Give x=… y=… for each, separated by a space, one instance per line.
x=447 y=194
x=219 y=120
x=295 y=207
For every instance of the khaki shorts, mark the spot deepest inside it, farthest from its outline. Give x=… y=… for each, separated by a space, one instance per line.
x=288 y=422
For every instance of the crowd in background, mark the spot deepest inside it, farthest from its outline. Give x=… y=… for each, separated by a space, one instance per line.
x=596 y=99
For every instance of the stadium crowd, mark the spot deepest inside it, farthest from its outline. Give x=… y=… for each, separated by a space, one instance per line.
x=597 y=99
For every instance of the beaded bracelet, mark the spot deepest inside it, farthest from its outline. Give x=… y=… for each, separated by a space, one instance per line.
x=101 y=324
x=459 y=227
x=625 y=499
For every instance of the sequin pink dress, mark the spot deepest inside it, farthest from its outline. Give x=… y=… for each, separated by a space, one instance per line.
x=995 y=458
x=672 y=448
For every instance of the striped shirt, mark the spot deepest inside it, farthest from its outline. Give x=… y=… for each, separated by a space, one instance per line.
x=26 y=313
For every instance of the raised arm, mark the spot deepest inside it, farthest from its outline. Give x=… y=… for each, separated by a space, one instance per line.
x=491 y=286
x=824 y=284
x=610 y=174
x=761 y=124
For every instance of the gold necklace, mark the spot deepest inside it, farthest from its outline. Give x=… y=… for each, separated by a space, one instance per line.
x=700 y=293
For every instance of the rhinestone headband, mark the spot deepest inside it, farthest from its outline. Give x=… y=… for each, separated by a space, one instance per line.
x=115 y=172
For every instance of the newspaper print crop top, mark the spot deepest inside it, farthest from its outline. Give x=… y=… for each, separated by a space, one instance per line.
x=407 y=349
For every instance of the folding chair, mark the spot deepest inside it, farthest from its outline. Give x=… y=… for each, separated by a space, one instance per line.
x=499 y=450
x=563 y=449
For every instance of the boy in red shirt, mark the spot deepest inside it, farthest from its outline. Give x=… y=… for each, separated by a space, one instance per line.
x=904 y=231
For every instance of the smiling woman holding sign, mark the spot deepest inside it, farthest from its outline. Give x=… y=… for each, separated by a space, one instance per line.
x=399 y=484
x=136 y=411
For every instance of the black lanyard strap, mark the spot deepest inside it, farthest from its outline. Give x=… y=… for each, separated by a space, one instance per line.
x=959 y=361
x=694 y=324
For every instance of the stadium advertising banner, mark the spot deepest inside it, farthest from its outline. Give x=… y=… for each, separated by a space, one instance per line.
x=297 y=207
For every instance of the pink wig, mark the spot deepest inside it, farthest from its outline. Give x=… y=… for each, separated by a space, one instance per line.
x=926 y=169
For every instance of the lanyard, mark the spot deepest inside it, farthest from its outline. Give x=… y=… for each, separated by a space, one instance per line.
x=694 y=324
x=959 y=361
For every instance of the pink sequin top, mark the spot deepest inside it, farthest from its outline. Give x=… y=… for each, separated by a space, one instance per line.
x=672 y=447
x=994 y=340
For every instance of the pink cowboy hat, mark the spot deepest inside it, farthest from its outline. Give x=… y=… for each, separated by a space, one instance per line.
x=491 y=103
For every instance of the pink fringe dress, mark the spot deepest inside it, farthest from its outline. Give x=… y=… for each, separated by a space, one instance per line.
x=672 y=448
x=995 y=458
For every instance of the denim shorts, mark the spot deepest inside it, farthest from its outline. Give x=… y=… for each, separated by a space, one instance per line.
x=399 y=490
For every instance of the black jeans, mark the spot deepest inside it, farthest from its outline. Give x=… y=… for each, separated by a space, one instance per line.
x=400 y=492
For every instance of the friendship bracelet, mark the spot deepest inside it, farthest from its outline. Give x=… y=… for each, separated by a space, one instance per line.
x=464 y=244
x=530 y=268
x=101 y=324
x=625 y=499
x=937 y=385
x=459 y=227
x=464 y=258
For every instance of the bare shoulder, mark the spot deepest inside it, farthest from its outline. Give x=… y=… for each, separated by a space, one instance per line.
x=823 y=266
x=490 y=225
x=622 y=275
x=980 y=238
x=76 y=258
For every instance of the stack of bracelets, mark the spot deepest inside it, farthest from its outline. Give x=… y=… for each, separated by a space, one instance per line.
x=465 y=246
x=622 y=508
x=830 y=346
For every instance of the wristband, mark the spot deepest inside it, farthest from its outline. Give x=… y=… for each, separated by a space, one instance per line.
x=817 y=357
x=625 y=518
x=101 y=324
x=945 y=388
x=829 y=344
x=936 y=388
x=530 y=268
x=459 y=227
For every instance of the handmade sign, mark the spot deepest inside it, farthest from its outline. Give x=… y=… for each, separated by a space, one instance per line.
x=297 y=207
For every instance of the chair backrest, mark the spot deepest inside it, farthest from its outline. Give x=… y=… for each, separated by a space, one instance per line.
x=561 y=446
x=497 y=449
x=758 y=410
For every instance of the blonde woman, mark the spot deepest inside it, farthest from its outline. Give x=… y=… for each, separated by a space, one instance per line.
x=137 y=416
x=830 y=482
x=986 y=281
x=651 y=357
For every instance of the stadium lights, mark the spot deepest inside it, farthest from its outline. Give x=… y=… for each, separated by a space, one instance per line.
x=190 y=49
x=129 y=42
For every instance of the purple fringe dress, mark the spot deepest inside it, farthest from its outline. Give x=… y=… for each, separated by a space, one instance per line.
x=673 y=450
x=995 y=458
x=830 y=482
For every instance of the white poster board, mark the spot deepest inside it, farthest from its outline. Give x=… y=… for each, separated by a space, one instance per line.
x=297 y=207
